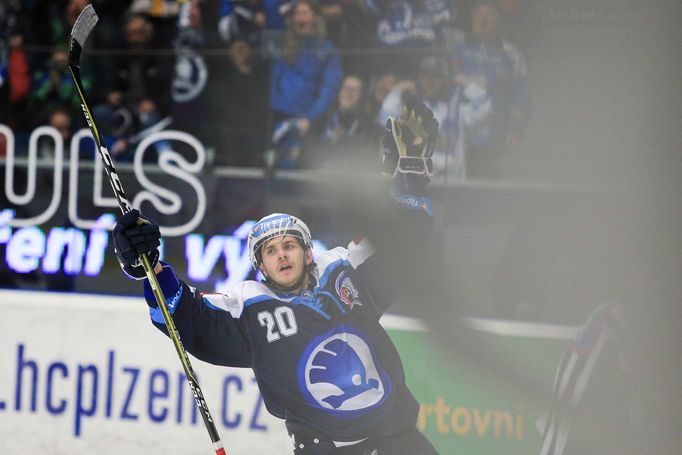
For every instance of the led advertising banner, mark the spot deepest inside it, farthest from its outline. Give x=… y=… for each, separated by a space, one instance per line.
x=57 y=213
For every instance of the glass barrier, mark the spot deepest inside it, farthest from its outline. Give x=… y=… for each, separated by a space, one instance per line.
x=212 y=128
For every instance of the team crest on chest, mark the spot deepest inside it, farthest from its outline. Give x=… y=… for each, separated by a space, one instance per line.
x=347 y=290
x=338 y=373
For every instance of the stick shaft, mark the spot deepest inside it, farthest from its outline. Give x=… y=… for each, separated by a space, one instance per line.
x=75 y=49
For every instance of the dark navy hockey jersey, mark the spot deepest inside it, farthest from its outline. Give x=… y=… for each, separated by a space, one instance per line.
x=320 y=358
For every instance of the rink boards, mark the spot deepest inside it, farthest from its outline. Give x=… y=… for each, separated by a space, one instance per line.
x=85 y=373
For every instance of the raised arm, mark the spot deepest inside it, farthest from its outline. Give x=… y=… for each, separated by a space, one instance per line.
x=401 y=247
x=210 y=325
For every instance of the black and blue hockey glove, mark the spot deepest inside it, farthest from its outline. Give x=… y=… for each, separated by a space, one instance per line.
x=135 y=235
x=408 y=141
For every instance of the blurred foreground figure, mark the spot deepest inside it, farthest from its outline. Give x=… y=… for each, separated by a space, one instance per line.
x=594 y=390
x=617 y=389
x=613 y=388
x=310 y=330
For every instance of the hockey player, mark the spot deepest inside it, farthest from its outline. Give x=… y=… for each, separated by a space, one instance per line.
x=310 y=331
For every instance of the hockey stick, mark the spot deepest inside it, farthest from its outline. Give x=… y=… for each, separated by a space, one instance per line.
x=81 y=29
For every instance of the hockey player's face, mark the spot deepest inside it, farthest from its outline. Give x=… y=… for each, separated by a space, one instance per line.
x=284 y=261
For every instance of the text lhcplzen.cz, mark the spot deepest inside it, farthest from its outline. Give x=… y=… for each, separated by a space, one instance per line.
x=125 y=392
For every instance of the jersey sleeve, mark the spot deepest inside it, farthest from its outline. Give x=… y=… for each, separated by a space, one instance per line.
x=210 y=325
x=368 y=267
x=398 y=254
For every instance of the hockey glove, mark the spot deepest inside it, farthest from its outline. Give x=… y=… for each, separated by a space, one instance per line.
x=135 y=235
x=408 y=141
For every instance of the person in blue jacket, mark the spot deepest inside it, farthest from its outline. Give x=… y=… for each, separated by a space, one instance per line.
x=310 y=330
x=487 y=59
x=304 y=80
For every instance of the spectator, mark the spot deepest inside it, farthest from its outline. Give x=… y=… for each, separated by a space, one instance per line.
x=346 y=134
x=382 y=84
x=251 y=18
x=15 y=79
x=487 y=59
x=140 y=74
x=141 y=86
x=333 y=14
x=53 y=87
x=346 y=119
x=240 y=111
x=243 y=19
x=109 y=33
x=460 y=108
x=433 y=87
x=348 y=24
x=61 y=118
x=51 y=23
x=394 y=100
x=304 y=81
x=163 y=15
x=276 y=12
x=408 y=28
x=473 y=107
x=195 y=73
x=351 y=30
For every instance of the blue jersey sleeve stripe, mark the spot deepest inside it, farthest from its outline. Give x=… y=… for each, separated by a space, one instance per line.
x=256 y=299
x=172 y=302
x=411 y=202
x=329 y=269
x=167 y=280
x=208 y=304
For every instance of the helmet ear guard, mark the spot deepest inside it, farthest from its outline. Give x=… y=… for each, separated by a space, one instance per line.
x=272 y=226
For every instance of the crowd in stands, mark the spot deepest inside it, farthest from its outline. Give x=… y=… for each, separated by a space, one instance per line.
x=289 y=84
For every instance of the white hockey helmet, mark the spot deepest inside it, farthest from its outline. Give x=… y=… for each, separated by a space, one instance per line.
x=276 y=225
